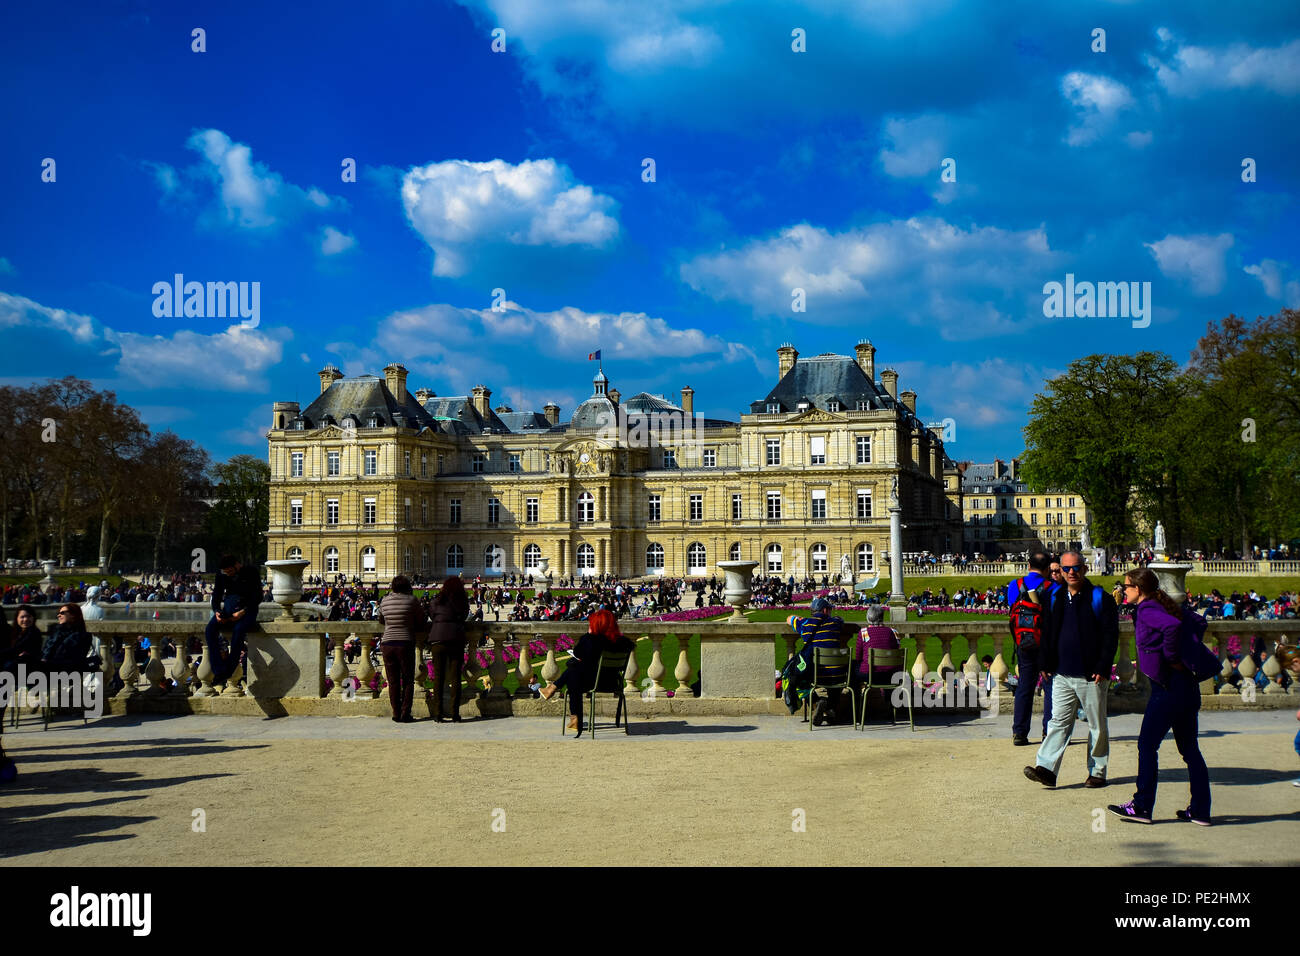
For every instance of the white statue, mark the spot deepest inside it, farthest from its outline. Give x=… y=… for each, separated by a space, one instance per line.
x=893 y=491
x=1086 y=540
x=1161 y=542
x=845 y=573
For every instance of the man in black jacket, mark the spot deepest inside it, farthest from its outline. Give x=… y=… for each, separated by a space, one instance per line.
x=235 y=601
x=1080 y=641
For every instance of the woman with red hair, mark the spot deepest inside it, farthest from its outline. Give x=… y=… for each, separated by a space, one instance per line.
x=580 y=676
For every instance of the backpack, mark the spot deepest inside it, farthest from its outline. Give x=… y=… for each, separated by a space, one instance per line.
x=1027 y=617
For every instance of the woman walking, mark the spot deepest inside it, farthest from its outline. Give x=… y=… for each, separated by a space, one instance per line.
x=447 y=643
x=404 y=620
x=1163 y=630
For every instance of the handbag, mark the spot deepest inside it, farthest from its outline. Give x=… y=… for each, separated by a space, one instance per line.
x=1195 y=656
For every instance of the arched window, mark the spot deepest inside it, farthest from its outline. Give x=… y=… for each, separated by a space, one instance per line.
x=819 y=558
x=586 y=507
x=494 y=559
x=367 y=558
x=331 y=560
x=586 y=560
x=774 y=565
x=455 y=559
x=735 y=551
x=866 y=559
x=293 y=553
x=654 y=558
x=532 y=556
x=696 y=559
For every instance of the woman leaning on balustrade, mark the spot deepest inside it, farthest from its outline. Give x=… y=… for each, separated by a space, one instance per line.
x=404 y=620
x=447 y=644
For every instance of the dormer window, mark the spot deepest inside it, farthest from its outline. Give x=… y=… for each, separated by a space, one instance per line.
x=864 y=405
x=802 y=407
x=832 y=406
x=773 y=408
x=299 y=424
x=374 y=422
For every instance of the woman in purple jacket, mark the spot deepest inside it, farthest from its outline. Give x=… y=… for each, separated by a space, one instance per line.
x=1163 y=631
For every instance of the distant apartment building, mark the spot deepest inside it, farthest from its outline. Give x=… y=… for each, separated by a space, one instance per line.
x=1001 y=515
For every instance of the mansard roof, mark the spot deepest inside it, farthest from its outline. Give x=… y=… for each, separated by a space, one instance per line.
x=364 y=397
x=821 y=379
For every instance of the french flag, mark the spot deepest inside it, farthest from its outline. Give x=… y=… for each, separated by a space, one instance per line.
x=593 y=355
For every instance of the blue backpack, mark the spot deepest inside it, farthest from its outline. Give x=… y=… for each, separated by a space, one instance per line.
x=1097 y=592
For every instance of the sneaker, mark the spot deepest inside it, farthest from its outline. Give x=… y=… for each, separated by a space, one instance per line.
x=1041 y=775
x=1186 y=816
x=1126 y=811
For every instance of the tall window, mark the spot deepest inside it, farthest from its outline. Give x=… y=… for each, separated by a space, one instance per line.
x=367 y=558
x=864 y=503
x=372 y=462
x=773 y=559
x=735 y=552
x=406 y=514
x=406 y=466
x=670 y=458
x=332 y=560
x=532 y=556
x=653 y=508
x=817 y=450
x=424 y=466
x=774 y=506
x=866 y=559
x=819 y=558
x=864 y=449
x=331 y=511
x=818 y=505
x=697 y=507
x=424 y=558
x=586 y=507
x=710 y=458
x=453 y=511
x=494 y=511
x=515 y=464
x=586 y=559
x=478 y=463
x=455 y=559
x=295 y=465
x=696 y=559
x=654 y=558
x=424 y=511
x=332 y=464
x=532 y=510
x=408 y=559
x=774 y=451
x=295 y=511
x=737 y=507
x=368 y=511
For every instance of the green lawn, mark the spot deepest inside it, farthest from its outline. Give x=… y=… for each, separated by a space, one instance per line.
x=1196 y=583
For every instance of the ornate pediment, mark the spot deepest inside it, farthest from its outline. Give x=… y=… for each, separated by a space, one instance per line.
x=816 y=416
x=582 y=456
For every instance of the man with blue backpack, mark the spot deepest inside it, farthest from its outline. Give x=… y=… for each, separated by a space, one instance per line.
x=1081 y=638
x=1027 y=598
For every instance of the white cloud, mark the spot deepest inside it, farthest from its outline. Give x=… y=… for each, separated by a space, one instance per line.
x=968 y=282
x=960 y=390
x=457 y=206
x=1139 y=139
x=916 y=145
x=1097 y=100
x=1191 y=70
x=16 y=310
x=250 y=195
x=1196 y=259
x=333 y=242
x=1270 y=274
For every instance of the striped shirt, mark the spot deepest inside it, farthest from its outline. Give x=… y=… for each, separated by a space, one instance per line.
x=819 y=632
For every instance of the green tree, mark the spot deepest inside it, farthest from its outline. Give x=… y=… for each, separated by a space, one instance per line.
x=242 y=513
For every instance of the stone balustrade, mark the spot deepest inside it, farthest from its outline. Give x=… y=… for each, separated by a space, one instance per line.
x=288 y=665
x=1011 y=569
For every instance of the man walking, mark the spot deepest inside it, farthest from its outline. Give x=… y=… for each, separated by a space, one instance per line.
x=1082 y=636
x=1036 y=588
x=235 y=600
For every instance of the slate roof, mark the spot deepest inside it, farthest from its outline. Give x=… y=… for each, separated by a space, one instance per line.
x=986 y=474
x=820 y=379
x=362 y=397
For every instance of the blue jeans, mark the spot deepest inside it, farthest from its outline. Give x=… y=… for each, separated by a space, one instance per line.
x=1072 y=693
x=1023 y=713
x=239 y=629
x=1174 y=708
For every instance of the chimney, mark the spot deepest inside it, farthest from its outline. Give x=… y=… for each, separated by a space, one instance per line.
x=688 y=400
x=552 y=413
x=395 y=379
x=422 y=395
x=997 y=469
x=786 y=356
x=909 y=399
x=282 y=413
x=889 y=379
x=866 y=353
x=504 y=409
x=614 y=395
x=482 y=403
x=328 y=376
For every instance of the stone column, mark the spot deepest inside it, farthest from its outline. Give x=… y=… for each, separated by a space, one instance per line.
x=1272 y=669
x=339 y=669
x=129 y=672
x=365 y=670
x=181 y=666
x=155 y=670
x=683 y=669
x=920 y=667
x=498 y=670
x=630 y=686
x=205 y=674
x=656 y=670
x=945 y=663
x=972 y=666
x=1000 y=670
x=106 y=661
x=233 y=686
x=525 y=668
x=551 y=669
x=897 y=600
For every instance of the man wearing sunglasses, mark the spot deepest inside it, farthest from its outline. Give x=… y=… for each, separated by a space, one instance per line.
x=1029 y=661
x=1080 y=639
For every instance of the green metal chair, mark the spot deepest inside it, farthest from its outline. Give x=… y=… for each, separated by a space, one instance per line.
x=609 y=680
x=897 y=660
x=831 y=658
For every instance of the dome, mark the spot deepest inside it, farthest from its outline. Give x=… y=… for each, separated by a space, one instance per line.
x=596 y=412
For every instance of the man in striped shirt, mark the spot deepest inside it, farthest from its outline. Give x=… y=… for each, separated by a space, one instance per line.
x=820 y=630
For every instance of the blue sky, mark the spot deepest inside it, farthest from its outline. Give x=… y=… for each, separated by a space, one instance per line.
x=523 y=171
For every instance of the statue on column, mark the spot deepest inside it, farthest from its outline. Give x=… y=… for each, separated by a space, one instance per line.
x=893 y=492
x=1160 y=541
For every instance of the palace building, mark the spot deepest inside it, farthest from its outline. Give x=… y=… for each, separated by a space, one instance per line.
x=371 y=480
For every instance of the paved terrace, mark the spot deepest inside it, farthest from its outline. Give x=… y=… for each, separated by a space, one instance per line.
x=124 y=791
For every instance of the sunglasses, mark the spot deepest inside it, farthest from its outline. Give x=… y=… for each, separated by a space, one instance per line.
x=1071 y=569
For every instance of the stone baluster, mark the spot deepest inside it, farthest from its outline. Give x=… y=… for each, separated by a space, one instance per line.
x=631 y=674
x=972 y=666
x=421 y=670
x=999 y=668
x=683 y=669
x=1226 y=673
x=656 y=669
x=498 y=670
x=524 y=670
x=365 y=670
x=234 y=686
x=1125 y=664
x=106 y=661
x=155 y=670
x=204 y=674
x=339 y=669
x=181 y=667
x=920 y=666
x=551 y=669
x=1247 y=668
x=1272 y=669
x=129 y=672
x=1207 y=685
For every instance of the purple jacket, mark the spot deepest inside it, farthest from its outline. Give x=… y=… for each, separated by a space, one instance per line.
x=1161 y=639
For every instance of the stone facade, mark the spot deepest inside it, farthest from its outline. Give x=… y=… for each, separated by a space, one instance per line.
x=995 y=495
x=370 y=480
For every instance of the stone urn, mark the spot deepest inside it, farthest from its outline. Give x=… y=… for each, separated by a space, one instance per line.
x=286 y=583
x=1172 y=578
x=47 y=582
x=738 y=587
x=544 y=567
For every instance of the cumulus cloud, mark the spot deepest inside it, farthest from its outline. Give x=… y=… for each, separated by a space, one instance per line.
x=333 y=242
x=17 y=310
x=1272 y=276
x=1096 y=100
x=1189 y=70
x=916 y=145
x=1196 y=259
x=459 y=207
x=969 y=282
